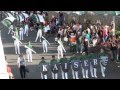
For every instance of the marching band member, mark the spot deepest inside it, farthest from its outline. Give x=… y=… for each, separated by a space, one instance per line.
x=93 y=67
x=39 y=33
x=85 y=68
x=65 y=67
x=29 y=51
x=43 y=65
x=44 y=43
x=26 y=29
x=103 y=64
x=21 y=31
x=75 y=65
x=16 y=31
x=54 y=67
x=60 y=49
x=16 y=43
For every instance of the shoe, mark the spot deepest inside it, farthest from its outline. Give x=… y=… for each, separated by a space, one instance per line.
x=95 y=76
x=83 y=76
x=103 y=75
x=87 y=77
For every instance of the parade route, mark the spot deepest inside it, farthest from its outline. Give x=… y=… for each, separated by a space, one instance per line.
x=112 y=69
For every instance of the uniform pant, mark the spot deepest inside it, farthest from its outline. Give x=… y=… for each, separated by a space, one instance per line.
x=21 y=34
x=60 y=52
x=45 y=49
x=102 y=70
x=26 y=30
x=39 y=34
x=93 y=71
x=17 y=47
x=85 y=73
x=64 y=74
x=75 y=74
x=22 y=71
x=29 y=55
x=54 y=75
x=43 y=76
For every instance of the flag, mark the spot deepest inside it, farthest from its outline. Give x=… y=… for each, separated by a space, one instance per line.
x=3 y=66
x=8 y=21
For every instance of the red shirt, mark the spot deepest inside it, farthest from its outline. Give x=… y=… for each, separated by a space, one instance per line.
x=8 y=69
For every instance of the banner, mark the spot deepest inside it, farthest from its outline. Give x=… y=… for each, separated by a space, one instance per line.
x=76 y=63
x=8 y=21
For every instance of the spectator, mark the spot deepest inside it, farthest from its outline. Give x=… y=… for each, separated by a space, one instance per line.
x=9 y=70
x=22 y=66
x=43 y=65
x=87 y=37
x=61 y=18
